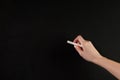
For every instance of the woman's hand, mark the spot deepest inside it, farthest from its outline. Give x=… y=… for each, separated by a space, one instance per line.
x=87 y=51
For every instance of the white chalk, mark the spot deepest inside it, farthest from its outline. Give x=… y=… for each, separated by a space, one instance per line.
x=72 y=43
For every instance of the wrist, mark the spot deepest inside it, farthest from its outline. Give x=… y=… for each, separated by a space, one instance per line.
x=98 y=59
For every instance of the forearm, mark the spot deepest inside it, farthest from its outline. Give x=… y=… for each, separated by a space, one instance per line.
x=111 y=66
x=89 y=53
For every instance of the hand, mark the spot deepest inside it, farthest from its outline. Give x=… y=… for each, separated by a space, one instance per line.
x=87 y=51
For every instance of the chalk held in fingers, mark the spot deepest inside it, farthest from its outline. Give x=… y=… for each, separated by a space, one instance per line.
x=72 y=43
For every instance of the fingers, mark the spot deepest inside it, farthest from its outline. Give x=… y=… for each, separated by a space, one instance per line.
x=78 y=49
x=79 y=39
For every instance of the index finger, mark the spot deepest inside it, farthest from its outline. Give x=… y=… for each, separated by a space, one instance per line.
x=79 y=39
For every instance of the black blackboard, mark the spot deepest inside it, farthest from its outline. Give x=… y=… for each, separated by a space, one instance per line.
x=34 y=34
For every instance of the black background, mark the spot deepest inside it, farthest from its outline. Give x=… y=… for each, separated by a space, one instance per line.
x=33 y=37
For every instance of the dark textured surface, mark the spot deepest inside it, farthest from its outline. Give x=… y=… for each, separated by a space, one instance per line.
x=34 y=34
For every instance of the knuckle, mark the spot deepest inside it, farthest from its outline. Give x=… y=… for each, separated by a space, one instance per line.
x=79 y=36
x=87 y=42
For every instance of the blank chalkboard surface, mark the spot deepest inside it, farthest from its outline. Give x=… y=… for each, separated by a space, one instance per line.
x=34 y=34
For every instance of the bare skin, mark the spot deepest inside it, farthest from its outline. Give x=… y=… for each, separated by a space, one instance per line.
x=89 y=53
